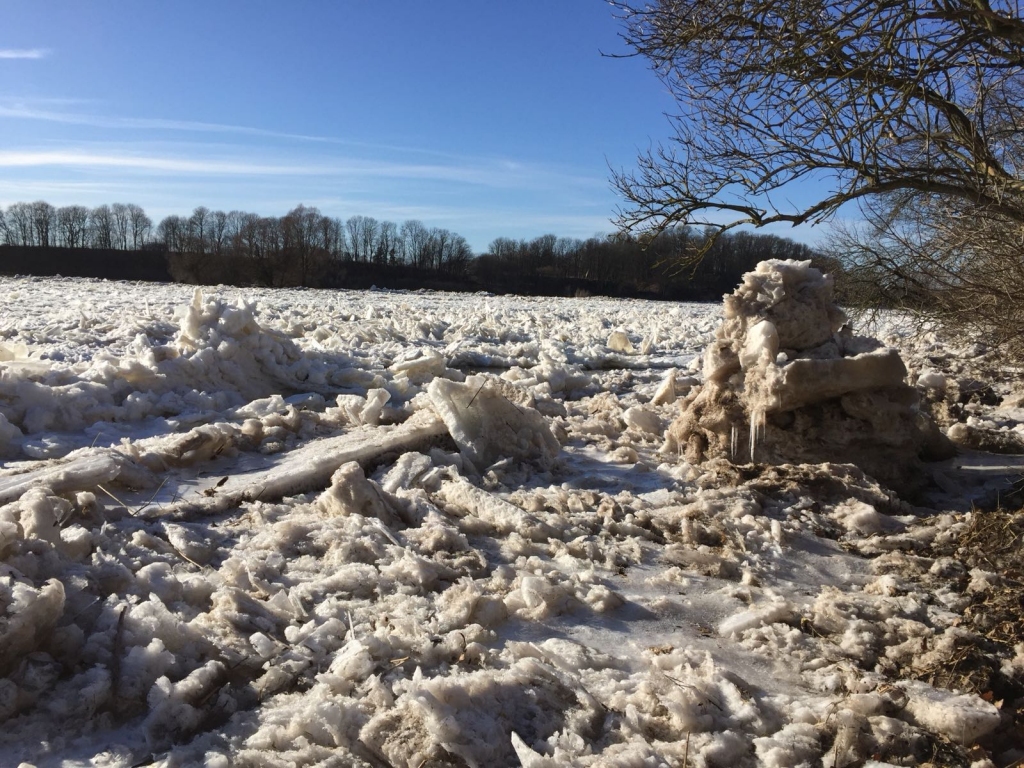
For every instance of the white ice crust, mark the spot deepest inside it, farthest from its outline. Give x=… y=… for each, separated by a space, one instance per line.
x=320 y=528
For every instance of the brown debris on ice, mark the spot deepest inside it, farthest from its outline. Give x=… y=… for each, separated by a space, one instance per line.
x=785 y=381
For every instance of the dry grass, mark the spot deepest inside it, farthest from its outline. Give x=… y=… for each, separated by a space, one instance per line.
x=992 y=541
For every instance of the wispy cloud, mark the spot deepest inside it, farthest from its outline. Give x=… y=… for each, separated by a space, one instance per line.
x=205 y=167
x=36 y=109
x=25 y=110
x=147 y=123
x=210 y=166
x=490 y=174
x=24 y=53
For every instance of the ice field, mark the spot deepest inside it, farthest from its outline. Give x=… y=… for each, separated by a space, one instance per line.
x=247 y=527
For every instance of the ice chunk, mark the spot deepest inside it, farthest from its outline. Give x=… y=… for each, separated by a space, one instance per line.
x=783 y=373
x=30 y=615
x=158 y=579
x=176 y=709
x=191 y=543
x=932 y=380
x=376 y=399
x=643 y=419
x=10 y=437
x=961 y=718
x=490 y=419
x=9 y=352
x=351 y=493
x=311 y=466
x=618 y=341
x=470 y=715
x=39 y=516
x=420 y=367
x=862 y=518
x=762 y=341
x=82 y=473
x=795 y=744
x=802 y=382
x=406 y=471
x=462 y=497
x=351 y=665
x=666 y=392
x=776 y=612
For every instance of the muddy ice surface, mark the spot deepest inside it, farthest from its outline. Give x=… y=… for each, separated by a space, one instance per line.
x=406 y=529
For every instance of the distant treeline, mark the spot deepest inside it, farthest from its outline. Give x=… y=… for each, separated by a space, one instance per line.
x=306 y=248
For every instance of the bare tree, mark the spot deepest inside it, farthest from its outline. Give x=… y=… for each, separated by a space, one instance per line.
x=198 y=230
x=139 y=226
x=101 y=227
x=454 y=253
x=269 y=249
x=5 y=237
x=43 y=223
x=218 y=233
x=937 y=259
x=72 y=225
x=172 y=232
x=332 y=236
x=849 y=98
x=19 y=224
x=386 y=250
x=233 y=229
x=362 y=237
x=120 y=218
x=567 y=252
x=301 y=232
x=416 y=239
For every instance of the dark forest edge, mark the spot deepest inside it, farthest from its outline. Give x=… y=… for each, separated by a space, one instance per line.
x=307 y=248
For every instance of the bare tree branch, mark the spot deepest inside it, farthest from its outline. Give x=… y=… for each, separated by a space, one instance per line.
x=855 y=99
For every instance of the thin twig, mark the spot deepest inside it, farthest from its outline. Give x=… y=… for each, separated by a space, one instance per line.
x=158 y=489
x=126 y=507
x=477 y=393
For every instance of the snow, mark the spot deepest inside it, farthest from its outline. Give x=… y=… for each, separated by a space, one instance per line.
x=294 y=527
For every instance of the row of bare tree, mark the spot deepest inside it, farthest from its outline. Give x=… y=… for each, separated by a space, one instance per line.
x=303 y=244
x=306 y=247
x=297 y=247
x=639 y=267
x=121 y=226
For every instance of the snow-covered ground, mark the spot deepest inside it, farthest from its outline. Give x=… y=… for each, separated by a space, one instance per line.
x=297 y=527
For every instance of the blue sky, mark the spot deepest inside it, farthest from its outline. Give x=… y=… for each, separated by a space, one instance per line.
x=488 y=118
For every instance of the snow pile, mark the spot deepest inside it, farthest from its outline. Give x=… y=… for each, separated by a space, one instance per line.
x=785 y=381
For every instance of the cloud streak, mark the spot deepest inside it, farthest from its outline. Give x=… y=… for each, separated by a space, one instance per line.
x=435 y=164
x=483 y=174
x=24 y=53
x=232 y=167
x=24 y=111
x=149 y=123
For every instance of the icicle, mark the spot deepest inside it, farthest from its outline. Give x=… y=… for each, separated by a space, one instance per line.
x=758 y=419
x=732 y=442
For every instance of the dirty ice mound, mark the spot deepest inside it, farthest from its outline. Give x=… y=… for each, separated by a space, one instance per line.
x=786 y=381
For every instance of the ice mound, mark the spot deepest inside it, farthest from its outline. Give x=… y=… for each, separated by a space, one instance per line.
x=786 y=381
x=223 y=346
x=220 y=357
